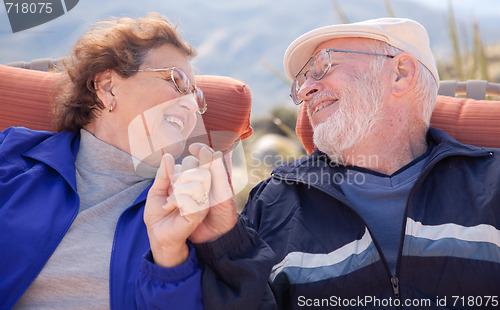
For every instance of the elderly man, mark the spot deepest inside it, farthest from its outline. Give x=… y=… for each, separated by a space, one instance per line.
x=387 y=212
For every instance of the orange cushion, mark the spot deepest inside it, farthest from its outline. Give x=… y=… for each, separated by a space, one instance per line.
x=470 y=121
x=25 y=101
x=24 y=98
x=228 y=116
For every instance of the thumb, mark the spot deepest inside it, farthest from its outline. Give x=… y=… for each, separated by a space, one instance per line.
x=162 y=184
x=166 y=168
x=222 y=190
x=159 y=191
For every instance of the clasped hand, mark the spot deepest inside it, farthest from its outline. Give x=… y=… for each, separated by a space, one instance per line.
x=192 y=200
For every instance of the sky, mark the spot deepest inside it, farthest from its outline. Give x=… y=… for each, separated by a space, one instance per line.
x=464 y=7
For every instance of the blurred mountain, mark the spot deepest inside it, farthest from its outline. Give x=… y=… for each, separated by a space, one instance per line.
x=247 y=39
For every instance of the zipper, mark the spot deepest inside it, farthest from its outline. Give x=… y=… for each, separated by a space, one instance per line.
x=395 y=286
x=428 y=167
x=439 y=156
x=394 y=280
x=435 y=158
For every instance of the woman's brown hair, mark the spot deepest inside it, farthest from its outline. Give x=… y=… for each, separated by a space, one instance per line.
x=120 y=45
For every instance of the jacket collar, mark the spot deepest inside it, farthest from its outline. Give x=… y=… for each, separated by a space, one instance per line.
x=58 y=152
x=448 y=146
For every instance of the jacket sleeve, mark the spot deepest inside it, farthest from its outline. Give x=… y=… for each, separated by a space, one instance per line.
x=236 y=270
x=169 y=288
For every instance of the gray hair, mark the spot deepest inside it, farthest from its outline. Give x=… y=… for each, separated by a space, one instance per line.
x=426 y=89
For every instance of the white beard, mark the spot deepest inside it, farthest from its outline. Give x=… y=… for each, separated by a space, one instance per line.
x=359 y=109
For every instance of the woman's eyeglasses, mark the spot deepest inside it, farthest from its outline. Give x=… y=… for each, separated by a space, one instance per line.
x=319 y=64
x=181 y=82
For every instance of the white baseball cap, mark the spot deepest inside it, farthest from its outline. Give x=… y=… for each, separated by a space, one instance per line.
x=404 y=34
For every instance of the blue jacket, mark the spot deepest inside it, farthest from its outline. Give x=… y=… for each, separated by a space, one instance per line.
x=325 y=255
x=38 y=203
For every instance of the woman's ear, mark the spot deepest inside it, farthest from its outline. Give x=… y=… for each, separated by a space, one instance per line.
x=103 y=84
x=406 y=71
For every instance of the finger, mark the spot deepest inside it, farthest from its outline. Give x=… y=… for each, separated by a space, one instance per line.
x=170 y=206
x=162 y=182
x=187 y=205
x=194 y=182
x=177 y=172
x=190 y=162
x=166 y=169
x=221 y=189
x=205 y=156
x=194 y=189
x=200 y=175
x=159 y=191
x=203 y=152
x=195 y=148
x=218 y=169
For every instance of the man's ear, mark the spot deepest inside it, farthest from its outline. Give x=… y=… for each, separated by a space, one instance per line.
x=103 y=83
x=406 y=72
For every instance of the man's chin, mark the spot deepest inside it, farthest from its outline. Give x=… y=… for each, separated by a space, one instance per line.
x=333 y=141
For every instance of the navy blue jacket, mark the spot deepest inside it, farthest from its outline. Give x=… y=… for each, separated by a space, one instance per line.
x=326 y=257
x=38 y=203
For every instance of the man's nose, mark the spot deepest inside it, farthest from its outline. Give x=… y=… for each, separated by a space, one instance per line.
x=309 y=88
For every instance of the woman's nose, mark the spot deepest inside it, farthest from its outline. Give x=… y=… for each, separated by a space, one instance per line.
x=189 y=103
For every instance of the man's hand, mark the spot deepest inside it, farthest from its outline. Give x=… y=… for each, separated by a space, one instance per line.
x=222 y=216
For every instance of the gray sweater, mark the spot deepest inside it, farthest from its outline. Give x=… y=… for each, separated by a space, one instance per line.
x=77 y=274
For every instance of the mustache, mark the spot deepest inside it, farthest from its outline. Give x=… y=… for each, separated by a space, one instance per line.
x=323 y=96
x=318 y=98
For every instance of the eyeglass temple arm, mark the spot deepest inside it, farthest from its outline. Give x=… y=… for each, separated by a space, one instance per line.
x=356 y=52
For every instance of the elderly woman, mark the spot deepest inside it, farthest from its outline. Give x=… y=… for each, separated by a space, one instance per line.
x=83 y=235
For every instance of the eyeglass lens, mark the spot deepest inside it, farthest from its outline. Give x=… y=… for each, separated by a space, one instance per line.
x=182 y=84
x=318 y=66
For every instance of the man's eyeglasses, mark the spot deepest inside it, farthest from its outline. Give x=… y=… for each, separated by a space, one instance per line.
x=319 y=64
x=182 y=84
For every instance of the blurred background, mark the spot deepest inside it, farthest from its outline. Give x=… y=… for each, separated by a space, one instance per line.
x=246 y=39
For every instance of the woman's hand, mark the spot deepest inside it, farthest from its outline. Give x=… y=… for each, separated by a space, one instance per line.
x=177 y=189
